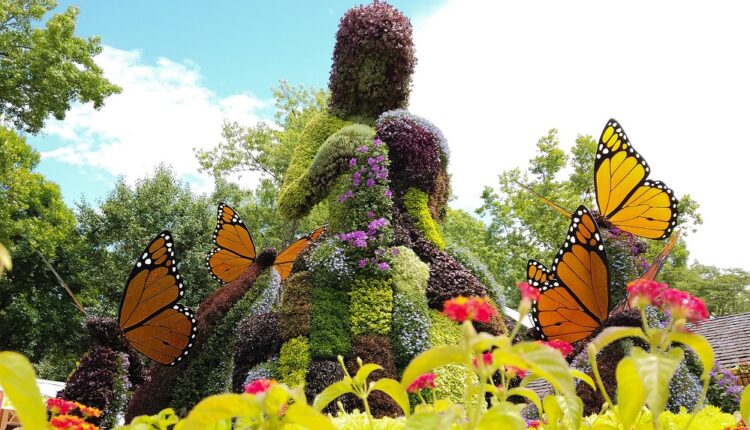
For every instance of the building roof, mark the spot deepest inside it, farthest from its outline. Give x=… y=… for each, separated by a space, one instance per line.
x=728 y=335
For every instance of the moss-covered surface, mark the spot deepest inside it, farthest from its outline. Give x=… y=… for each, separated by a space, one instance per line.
x=415 y=203
x=330 y=335
x=295 y=193
x=371 y=306
x=332 y=159
x=294 y=360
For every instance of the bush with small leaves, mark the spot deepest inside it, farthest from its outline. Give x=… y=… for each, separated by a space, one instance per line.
x=294 y=360
x=371 y=306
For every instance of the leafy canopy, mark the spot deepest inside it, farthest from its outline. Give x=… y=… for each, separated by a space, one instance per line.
x=45 y=69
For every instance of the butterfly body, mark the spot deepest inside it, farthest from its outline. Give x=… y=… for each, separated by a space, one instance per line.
x=149 y=315
x=235 y=252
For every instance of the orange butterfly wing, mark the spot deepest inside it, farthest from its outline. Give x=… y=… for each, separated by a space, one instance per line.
x=149 y=316
x=658 y=263
x=575 y=301
x=537 y=273
x=235 y=250
x=285 y=260
x=624 y=196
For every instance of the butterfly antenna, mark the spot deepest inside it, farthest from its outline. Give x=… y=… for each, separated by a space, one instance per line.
x=564 y=212
x=76 y=303
x=656 y=266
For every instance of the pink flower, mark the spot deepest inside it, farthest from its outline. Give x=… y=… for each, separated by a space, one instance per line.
x=370 y=182
x=388 y=193
x=682 y=305
x=645 y=292
x=425 y=381
x=528 y=292
x=362 y=263
x=259 y=386
x=383 y=266
x=462 y=308
x=515 y=372
x=564 y=347
x=377 y=142
x=533 y=424
x=363 y=149
x=486 y=359
x=352 y=162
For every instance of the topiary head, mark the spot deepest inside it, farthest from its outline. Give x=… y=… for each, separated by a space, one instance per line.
x=373 y=60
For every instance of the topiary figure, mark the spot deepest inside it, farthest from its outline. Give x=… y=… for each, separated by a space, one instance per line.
x=366 y=291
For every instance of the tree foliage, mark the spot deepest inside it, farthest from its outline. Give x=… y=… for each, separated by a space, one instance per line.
x=45 y=69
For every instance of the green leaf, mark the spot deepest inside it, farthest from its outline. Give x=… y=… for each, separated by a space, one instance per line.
x=630 y=395
x=365 y=371
x=431 y=359
x=395 y=390
x=504 y=415
x=655 y=371
x=700 y=345
x=331 y=393
x=563 y=411
x=211 y=411
x=19 y=382
x=429 y=420
x=583 y=377
x=745 y=405
x=547 y=363
x=528 y=394
x=552 y=411
x=613 y=334
x=301 y=413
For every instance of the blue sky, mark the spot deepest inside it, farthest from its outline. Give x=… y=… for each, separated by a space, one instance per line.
x=237 y=47
x=493 y=75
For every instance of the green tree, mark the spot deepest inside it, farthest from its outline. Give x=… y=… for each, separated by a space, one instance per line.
x=44 y=69
x=265 y=150
x=116 y=231
x=725 y=291
x=521 y=226
x=36 y=317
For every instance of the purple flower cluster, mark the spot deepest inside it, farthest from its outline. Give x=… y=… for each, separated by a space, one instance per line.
x=369 y=173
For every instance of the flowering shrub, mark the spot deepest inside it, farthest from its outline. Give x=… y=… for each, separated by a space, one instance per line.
x=725 y=390
x=461 y=309
x=373 y=60
x=626 y=254
x=329 y=264
x=411 y=321
x=371 y=307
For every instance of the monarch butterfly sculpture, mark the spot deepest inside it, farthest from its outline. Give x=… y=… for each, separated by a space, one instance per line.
x=574 y=294
x=235 y=250
x=150 y=317
x=625 y=197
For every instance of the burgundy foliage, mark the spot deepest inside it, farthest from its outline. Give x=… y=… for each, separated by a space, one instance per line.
x=257 y=340
x=414 y=151
x=376 y=349
x=373 y=60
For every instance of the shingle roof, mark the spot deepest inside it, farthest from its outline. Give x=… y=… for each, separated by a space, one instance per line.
x=729 y=336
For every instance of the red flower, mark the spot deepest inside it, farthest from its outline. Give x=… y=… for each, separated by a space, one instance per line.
x=533 y=424
x=425 y=381
x=645 y=292
x=71 y=422
x=564 y=347
x=469 y=308
x=682 y=305
x=513 y=372
x=528 y=292
x=486 y=359
x=60 y=406
x=259 y=386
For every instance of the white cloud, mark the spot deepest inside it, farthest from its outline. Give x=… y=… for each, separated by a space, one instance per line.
x=495 y=76
x=163 y=112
